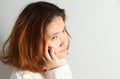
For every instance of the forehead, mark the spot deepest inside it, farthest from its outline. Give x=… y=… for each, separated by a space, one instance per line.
x=55 y=26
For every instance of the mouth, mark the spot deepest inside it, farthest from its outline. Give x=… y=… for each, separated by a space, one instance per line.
x=63 y=50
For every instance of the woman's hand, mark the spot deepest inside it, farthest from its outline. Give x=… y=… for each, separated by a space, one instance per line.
x=50 y=59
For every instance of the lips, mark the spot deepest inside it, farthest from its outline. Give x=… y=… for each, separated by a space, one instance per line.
x=63 y=50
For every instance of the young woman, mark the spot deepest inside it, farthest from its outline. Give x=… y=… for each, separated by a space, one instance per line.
x=38 y=44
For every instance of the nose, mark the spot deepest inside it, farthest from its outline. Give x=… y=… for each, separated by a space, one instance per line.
x=62 y=44
x=63 y=41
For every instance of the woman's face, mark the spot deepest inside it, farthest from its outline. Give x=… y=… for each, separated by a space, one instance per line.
x=57 y=38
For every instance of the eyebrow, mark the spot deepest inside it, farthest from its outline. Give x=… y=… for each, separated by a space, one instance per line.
x=58 y=32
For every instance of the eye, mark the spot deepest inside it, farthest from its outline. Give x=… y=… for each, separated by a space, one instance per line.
x=54 y=37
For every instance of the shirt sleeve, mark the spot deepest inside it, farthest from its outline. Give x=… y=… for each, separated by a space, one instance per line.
x=62 y=72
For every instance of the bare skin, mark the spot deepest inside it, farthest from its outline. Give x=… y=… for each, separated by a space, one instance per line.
x=56 y=44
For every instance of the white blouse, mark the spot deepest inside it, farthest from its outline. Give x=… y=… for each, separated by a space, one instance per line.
x=62 y=72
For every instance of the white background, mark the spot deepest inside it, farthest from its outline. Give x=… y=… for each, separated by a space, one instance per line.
x=95 y=29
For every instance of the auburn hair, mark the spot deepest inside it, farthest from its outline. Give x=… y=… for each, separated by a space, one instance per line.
x=25 y=46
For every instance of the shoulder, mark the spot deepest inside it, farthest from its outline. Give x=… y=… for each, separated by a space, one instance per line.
x=20 y=74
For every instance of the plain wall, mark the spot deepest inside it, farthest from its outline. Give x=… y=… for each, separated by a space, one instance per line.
x=94 y=26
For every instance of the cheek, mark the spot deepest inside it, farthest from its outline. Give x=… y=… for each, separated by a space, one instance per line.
x=53 y=44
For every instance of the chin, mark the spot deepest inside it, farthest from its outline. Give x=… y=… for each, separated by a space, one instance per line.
x=62 y=55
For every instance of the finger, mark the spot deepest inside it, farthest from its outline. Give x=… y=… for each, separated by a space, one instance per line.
x=45 y=60
x=53 y=54
x=47 y=55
